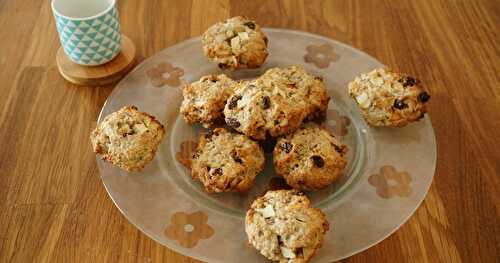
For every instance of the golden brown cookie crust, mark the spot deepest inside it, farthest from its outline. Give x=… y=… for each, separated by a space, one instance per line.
x=309 y=159
x=227 y=162
x=276 y=103
x=204 y=100
x=387 y=98
x=127 y=138
x=235 y=43
x=283 y=226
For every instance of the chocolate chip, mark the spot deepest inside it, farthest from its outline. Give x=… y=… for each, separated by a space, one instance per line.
x=318 y=78
x=424 y=97
x=232 y=122
x=408 y=81
x=286 y=147
x=236 y=158
x=318 y=161
x=217 y=171
x=399 y=104
x=195 y=156
x=209 y=134
x=266 y=102
x=208 y=168
x=234 y=102
x=250 y=25
x=337 y=148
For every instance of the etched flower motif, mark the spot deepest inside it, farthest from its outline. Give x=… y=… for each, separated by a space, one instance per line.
x=337 y=123
x=165 y=74
x=186 y=151
x=321 y=55
x=390 y=183
x=188 y=229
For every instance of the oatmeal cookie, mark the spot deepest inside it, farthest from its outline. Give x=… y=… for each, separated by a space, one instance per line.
x=226 y=162
x=311 y=158
x=276 y=103
x=127 y=138
x=283 y=226
x=204 y=100
x=387 y=98
x=235 y=43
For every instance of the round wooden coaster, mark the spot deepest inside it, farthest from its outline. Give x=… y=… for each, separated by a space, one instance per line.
x=103 y=74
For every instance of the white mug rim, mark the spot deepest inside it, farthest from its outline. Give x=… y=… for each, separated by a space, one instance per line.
x=105 y=11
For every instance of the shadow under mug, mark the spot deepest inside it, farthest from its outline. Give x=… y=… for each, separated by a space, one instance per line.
x=89 y=30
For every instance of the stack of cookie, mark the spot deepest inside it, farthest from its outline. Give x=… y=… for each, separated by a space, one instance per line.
x=279 y=106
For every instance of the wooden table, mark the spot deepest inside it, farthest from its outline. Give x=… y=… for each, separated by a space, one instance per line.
x=54 y=208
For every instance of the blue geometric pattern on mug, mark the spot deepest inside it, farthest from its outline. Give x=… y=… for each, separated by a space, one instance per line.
x=91 y=41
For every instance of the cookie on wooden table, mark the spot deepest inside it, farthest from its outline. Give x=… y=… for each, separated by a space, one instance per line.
x=283 y=226
x=127 y=138
x=235 y=43
x=204 y=100
x=388 y=98
x=276 y=103
x=226 y=162
x=311 y=158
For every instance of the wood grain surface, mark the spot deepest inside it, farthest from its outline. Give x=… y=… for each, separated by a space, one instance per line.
x=54 y=208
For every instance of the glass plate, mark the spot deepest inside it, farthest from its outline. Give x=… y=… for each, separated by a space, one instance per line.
x=388 y=175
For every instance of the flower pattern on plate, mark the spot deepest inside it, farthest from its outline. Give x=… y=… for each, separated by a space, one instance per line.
x=339 y=125
x=186 y=150
x=320 y=55
x=188 y=229
x=165 y=74
x=390 y=183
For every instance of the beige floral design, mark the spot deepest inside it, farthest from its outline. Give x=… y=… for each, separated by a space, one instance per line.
x=321 y=55
x=341 y=123
x=188 y=229
x=186 y=151
x=390 y=183
x=165 y=74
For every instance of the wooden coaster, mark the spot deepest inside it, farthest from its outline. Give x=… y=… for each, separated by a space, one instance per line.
x=103 y=74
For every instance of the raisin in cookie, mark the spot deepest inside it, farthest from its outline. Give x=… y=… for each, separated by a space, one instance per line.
x=127 y=138
x=227 y=162
x=235 y=43
x=276 y=103
x=387 y=98
x=284 y=227
x=204 y=100
x=309 y=159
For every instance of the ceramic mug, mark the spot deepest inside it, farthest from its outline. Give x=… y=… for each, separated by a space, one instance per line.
x=89 y=30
